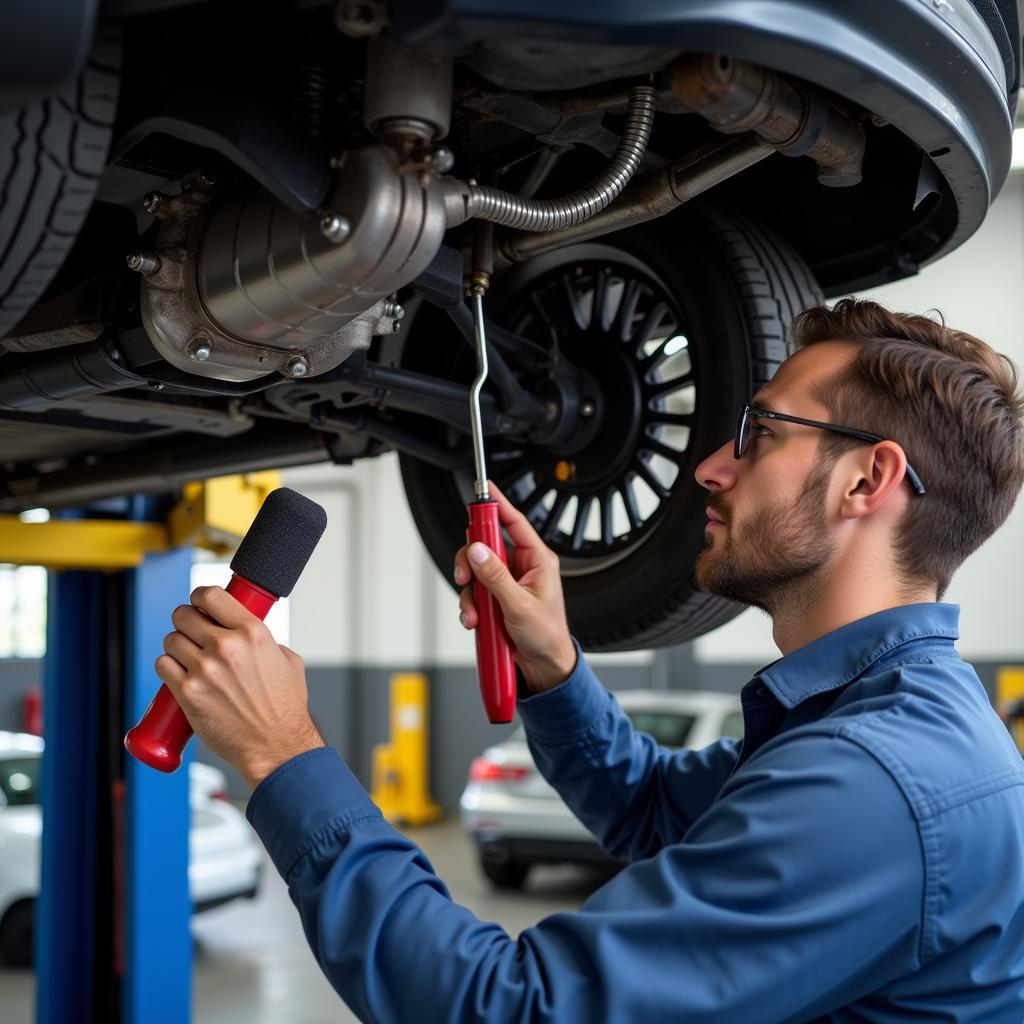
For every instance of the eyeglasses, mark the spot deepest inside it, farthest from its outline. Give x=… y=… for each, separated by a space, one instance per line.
x=751 y=413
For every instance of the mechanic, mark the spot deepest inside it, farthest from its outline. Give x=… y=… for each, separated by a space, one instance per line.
x=857 y=857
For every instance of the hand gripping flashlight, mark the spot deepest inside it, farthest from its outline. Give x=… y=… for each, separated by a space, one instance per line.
x=266 y=566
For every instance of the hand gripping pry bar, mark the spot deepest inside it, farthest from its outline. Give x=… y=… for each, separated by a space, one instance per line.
x=495 y=666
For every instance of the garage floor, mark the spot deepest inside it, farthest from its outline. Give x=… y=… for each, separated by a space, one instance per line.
x=252 y=964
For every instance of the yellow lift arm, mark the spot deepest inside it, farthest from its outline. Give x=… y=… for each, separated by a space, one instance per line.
x=212 y=514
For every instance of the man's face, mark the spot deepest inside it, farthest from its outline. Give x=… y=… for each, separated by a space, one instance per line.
x=771 y=539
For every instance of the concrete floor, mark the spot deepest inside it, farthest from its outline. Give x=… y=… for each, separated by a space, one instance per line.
x=252 y=964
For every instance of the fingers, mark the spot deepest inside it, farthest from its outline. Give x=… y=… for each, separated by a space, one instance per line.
x=489 y=569
x=222 y=607
x=195 y=625
x=170 y=672
x=519 y=528
x=184 y=651
x=467 y=608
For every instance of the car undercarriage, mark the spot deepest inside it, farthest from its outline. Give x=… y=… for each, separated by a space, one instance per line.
x=232 y=241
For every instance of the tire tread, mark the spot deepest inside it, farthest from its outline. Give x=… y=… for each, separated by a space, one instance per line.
x=54 y=154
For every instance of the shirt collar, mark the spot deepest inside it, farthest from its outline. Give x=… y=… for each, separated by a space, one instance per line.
x=839 y=657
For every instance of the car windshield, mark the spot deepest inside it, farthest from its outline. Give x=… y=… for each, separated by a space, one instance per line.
x=19 y=780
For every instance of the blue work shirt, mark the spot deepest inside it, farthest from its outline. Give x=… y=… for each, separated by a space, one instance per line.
x=857 y=858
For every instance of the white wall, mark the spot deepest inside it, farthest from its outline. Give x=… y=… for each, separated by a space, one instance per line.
x=979 y=288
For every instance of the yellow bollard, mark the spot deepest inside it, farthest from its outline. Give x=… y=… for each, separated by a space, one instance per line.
x=1009 y=690
x=399 y=786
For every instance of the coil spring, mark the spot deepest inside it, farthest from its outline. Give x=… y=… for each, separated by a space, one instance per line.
x=313 y=105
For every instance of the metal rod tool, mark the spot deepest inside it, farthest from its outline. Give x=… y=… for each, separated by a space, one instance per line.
x=495 y=665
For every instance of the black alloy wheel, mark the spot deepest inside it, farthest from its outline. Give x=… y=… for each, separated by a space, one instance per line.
x=657 y=336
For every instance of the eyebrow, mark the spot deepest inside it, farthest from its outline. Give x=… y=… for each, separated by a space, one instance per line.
x=755 y=404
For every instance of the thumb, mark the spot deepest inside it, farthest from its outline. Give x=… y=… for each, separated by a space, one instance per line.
x=494 y=575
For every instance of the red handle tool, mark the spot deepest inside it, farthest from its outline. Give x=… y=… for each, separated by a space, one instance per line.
x=495 y=665
x=160 y=737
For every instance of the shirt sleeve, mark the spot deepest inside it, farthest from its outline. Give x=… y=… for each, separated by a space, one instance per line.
x=798 y=891
x=633 y=795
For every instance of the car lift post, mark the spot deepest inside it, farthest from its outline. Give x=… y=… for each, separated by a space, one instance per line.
x=112 y=939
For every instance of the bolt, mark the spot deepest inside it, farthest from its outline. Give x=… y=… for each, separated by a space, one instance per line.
x=200 y=350
x=393 y=310
x=153 y=202
x=335 y=228
x=444 y=159
x=156 y=385
x=586 y=407
x=115 y=355
x=206 y=179
x=298 y=367
x=142 y=262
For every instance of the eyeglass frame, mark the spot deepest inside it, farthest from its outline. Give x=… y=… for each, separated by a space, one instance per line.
x=752 y=412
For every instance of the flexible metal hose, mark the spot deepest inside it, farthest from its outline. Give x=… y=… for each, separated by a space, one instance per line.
x=513 y=211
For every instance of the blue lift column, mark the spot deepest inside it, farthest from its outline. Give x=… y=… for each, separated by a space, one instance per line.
x=112 y=919
x=157 y=906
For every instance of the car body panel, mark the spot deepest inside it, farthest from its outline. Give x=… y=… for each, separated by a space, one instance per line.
x=224 y=856
x=525 y=818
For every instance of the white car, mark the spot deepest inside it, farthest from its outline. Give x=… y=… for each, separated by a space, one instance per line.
x=516 y=819
x=224 y=856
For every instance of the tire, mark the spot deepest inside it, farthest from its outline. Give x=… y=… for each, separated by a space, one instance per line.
x=16 y=934
x=731 y=289
x=52 y=155
x=506 y=874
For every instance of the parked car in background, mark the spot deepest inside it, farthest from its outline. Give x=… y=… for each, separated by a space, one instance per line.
x=224 y=857
x=516 y=819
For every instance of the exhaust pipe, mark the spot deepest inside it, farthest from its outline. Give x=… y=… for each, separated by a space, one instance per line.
x=797 y=120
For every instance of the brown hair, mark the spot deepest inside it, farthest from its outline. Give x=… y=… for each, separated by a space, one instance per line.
x=955 y=406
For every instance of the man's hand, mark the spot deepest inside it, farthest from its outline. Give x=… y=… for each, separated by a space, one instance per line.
x=243 y=694
x=530 y=597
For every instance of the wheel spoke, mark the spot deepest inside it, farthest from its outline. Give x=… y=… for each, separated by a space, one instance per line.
x=510 y=475
x=582 y=513
x=649 y=444
x=657 y=388
x=536 y=497
x=575 y=305
x=622 y=326
x=654 y=324
x=550 y=525
x=643 y=471
x=629 y=500
x=657 y=357
x=597 y=316
x=607 y=530
x=670 y=419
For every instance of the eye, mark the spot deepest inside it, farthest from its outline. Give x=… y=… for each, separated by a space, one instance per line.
x=759 y=430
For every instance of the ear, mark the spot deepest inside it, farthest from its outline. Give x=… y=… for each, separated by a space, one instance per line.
x=874 y=475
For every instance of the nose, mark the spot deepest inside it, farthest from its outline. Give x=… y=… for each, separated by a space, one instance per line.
x=718 y=471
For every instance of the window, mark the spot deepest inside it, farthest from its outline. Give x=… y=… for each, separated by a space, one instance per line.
x=19 y=780
x=732 y=725
x=22 y=611
x=667 y=729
